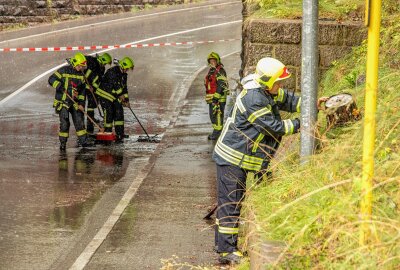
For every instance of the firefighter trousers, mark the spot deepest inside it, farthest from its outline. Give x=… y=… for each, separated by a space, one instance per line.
x=77 y=118
x=91 y=105
x=231 y=186
x=217 y=118
x=113 y=115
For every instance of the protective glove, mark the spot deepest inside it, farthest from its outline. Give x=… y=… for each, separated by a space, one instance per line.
x=215 y=108
x=296 y=124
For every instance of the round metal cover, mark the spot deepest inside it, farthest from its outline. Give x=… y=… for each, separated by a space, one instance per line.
x=338 y=100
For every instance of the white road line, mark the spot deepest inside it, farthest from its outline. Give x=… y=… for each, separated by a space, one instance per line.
x=139 y=41
x=119 y=20
x=84 y=258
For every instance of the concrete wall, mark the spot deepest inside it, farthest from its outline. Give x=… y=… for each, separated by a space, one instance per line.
x=282 y=39
x=14 y=12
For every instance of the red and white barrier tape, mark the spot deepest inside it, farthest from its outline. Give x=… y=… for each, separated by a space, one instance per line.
x=98 y=47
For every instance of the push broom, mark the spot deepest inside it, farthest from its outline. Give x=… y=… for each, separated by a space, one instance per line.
x=147 y=138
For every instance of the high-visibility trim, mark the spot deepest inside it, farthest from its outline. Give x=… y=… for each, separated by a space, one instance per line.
x=81 y=97
x=218 y=125
x=108 y=125
x=240 y=105
x=298 y=107
x=257 y=142
x=88 y=72
x=216 y=221
x=289 y=127
x=228 y=230
x=280 y=96
x=104 y=94
x=126 y=95
x=237 y=158
x=259 y=113
x=55 y=84
x=217 y=95
x=58 y=75
x=118 y=91
x=81 y=132
x=63 y=134
x=90 y=109
x=79 y=77
x=118 y=123
x=64 y=96
x=221 y=77
x=209 y=97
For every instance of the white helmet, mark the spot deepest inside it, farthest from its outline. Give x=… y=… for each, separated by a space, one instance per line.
x=269 y=70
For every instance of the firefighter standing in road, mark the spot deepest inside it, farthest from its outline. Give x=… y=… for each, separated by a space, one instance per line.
x=93 y=74
x=249 y=140
x=217 y=90
x=115 y=84
x=70 y=86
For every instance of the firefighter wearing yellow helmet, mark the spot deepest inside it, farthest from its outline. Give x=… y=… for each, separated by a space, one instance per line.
x=96 y=67
x=114 y=84
x=70 y=86
x=217 y=89
x=250 y=138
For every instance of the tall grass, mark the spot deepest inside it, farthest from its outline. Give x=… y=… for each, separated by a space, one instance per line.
x=314 y=209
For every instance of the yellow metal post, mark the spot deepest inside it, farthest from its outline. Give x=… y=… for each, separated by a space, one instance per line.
x=373 y=15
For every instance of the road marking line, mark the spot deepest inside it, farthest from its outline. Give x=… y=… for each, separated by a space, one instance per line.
x=25 y=86
x=119 y=20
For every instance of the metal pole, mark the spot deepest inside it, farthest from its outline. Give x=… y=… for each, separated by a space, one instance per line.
x=309 y=78
x=373 y=21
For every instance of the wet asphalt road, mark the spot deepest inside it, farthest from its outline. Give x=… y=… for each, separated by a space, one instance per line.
x=52 y=204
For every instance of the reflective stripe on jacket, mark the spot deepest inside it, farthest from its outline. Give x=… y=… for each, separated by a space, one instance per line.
x=113 y=84
x=252 y=133
x=68 y=79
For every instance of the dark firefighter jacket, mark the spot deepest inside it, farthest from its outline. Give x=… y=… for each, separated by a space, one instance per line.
x=216 y=84
x=253 y=130
x=94 y=71
x=68 y=79
x=114 y=82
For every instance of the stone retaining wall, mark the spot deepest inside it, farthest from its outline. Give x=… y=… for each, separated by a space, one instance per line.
x=27 y=12
x=282 y=39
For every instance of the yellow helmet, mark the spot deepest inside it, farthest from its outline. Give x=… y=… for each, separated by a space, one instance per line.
x=126 y=63
x=78 y=60
x=214 y=55
x=105 y=59
x=269 y=70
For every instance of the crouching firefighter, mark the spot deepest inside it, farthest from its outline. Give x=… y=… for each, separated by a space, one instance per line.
x=69 y=99
x=217 y=89
x=114 y=84
x=251 y=135
x=94 y=74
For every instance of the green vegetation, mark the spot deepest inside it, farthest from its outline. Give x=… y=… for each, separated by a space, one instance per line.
x=291 y=9
x=314 y=209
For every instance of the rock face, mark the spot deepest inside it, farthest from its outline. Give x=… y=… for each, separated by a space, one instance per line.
x=281 y=39
x=27 y=12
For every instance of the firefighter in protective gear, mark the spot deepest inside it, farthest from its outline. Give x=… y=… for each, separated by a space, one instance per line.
x=69 y=81
x=251 y=135
x=93 y=74
x=115 y=84
x=217 y=89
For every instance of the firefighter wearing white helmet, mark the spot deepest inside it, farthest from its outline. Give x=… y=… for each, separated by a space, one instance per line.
x=249 y=139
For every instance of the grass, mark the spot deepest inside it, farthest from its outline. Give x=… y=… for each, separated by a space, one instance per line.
x=314 y=209
x=292 y=9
